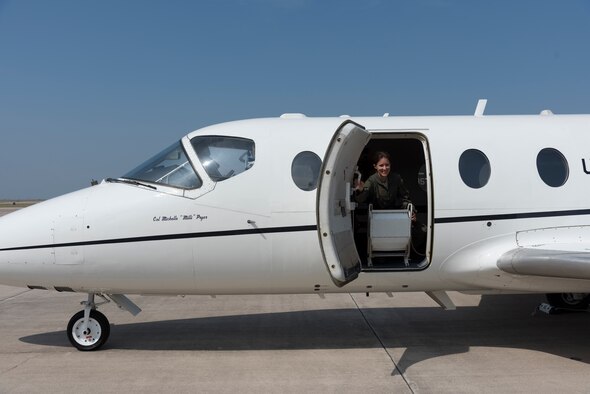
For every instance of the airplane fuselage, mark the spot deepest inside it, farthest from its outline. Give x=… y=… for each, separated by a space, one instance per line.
x=258 y=232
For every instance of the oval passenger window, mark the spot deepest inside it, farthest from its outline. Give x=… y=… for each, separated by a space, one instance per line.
x=474 y=168
x=305 y=170
x=552 y=167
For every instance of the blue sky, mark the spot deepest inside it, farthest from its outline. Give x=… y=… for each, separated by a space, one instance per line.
x=89 y=89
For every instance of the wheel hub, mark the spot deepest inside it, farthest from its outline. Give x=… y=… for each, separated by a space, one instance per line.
x=89 y=336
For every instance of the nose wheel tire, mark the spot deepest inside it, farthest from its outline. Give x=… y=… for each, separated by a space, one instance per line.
x=94 y=336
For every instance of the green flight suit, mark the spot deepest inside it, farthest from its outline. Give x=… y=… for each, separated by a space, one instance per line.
x=388 y=194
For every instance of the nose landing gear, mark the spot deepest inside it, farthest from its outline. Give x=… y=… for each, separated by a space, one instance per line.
x=88 y=329
x=89 y=336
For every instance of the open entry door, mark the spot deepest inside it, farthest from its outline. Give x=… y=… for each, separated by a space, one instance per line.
x=333 y=202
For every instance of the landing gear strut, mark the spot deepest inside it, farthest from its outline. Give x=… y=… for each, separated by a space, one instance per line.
x=88 y=329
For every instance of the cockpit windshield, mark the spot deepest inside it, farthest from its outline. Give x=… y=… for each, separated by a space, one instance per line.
x=224 y=157
x=170 y=167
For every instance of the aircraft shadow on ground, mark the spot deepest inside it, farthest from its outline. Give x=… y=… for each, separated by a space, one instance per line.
x=424 y=333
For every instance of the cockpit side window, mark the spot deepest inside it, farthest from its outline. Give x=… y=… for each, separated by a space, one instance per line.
x=224 y=157
x=170 y=167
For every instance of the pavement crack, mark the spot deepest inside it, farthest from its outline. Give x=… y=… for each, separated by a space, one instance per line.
x=12 y=297
x=368 y=323
x=17 y=365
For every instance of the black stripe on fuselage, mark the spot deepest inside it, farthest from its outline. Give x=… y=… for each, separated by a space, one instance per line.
x=289 y=229
x=512 y=216
x=166 y=237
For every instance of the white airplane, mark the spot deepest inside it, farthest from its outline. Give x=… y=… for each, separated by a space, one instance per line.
x=264 y=206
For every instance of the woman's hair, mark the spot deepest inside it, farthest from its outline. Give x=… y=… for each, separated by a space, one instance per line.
x=380 y=155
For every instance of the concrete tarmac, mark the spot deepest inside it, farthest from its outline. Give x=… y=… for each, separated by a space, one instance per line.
x=6 y=210
x=296 y=343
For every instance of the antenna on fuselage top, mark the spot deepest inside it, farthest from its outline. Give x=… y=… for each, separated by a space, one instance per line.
x=481 y=107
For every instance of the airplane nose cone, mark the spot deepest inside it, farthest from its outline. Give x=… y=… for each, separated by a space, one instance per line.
x=17 y=234
x=27 y=237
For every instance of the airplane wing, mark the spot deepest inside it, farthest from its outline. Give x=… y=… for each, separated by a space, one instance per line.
x=558 y=252
x=561 y=261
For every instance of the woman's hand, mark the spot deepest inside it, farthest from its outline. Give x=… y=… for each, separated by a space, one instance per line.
x=359 y=185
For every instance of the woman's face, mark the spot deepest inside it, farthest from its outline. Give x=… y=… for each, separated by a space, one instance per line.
x=383 y=167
